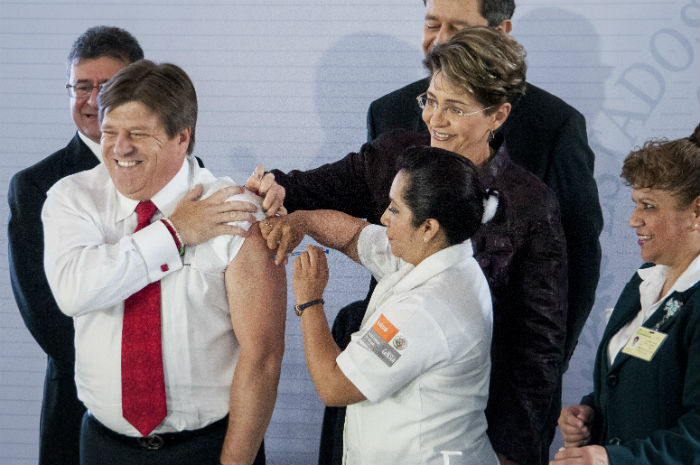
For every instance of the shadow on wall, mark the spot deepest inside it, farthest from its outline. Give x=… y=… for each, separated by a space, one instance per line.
x=353 y=72
x=564 y=57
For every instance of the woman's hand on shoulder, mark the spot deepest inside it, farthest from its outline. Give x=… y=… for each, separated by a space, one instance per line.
x=273 y=194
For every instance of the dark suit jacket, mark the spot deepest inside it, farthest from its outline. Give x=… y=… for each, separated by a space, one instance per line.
x=548 y=137
x=522 y=253
x=61 y=409
x=649 y=412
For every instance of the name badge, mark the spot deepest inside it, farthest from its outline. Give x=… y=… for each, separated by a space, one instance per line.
x=644 y=343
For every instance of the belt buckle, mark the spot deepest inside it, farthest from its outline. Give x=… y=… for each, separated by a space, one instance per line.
x=153 y=442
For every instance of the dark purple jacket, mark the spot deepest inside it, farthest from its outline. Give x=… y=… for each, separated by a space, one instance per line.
x=522 y=252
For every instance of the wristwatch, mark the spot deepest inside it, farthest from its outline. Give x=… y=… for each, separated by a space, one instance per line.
x=299 y=309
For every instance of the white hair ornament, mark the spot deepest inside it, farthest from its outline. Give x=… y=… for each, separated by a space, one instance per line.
x=490 y=205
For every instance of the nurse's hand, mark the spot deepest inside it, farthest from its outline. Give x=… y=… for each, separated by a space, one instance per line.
x=283 y=234
x=587 y=455
x=574 y=423
x=310 y=274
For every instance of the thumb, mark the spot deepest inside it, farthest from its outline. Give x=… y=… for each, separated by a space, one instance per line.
x=254 y=181
x=259 y=171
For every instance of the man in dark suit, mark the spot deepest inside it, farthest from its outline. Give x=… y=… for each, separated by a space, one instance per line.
x=546 y=136
x=94 y=58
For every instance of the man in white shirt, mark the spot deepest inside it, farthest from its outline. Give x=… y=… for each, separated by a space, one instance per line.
x=95 y=56
x=220 y=302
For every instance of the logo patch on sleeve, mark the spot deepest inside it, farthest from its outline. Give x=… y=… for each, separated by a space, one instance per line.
x=380 y=338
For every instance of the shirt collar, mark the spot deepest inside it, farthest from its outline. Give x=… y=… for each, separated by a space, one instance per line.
x=94 y=147
x=655 y=276
x=435 y=264
x=166 y=199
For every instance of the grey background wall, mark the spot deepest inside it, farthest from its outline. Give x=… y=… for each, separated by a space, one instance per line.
x=287 y=83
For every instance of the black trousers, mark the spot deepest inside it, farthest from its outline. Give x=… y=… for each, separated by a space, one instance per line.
x=61 y=415
x=101 y=446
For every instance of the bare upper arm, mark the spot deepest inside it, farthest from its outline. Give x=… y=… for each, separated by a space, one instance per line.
x=256 y=289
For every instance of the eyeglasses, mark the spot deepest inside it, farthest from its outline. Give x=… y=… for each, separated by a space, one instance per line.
x=425 y=102
x=83 y=89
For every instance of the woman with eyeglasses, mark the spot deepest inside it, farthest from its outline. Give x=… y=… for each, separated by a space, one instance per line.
x=477 y=77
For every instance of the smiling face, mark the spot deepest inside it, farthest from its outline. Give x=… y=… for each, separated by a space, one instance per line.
x=465 y=135
x=139 y=155
x=84 y=110
x=667 y=234
x=443 y=18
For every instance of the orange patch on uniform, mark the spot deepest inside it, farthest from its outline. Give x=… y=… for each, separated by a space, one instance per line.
x=384 y=328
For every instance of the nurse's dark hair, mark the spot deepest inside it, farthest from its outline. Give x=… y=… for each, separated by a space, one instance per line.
x=444 y=186
x=673 y=166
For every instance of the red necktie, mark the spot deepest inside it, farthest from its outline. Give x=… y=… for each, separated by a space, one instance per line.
x=143 y=385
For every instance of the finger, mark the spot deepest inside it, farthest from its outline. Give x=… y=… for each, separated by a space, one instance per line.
x=233 y=216
x=266 y=182
x=318 y=255
x=272 y=239
x=273 y=200
x=572 y=444
x=194 y=193
x=224 y=193
x=569 y=418
x=303 y=260
x=297 y=269
x=313 y=259
x=253 y=182
x=259 y=171
x=265 y=228
x=238 y=205
x=229 y=230
x=285 y=243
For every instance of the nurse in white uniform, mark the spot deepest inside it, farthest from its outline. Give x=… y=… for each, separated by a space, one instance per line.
x=415 y=377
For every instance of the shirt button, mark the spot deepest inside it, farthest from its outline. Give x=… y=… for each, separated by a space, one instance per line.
x=614 y=441
x=164 y=267
x=612 y=380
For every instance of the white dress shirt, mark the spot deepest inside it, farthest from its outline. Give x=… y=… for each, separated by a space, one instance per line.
x=92 y=145
x=421 y=358
x=653 y=279
x=94 y=261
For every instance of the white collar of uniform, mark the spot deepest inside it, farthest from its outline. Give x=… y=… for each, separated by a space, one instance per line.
x=435 y=264
x=166 y=199
x=653 y=279
x=94 y=147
